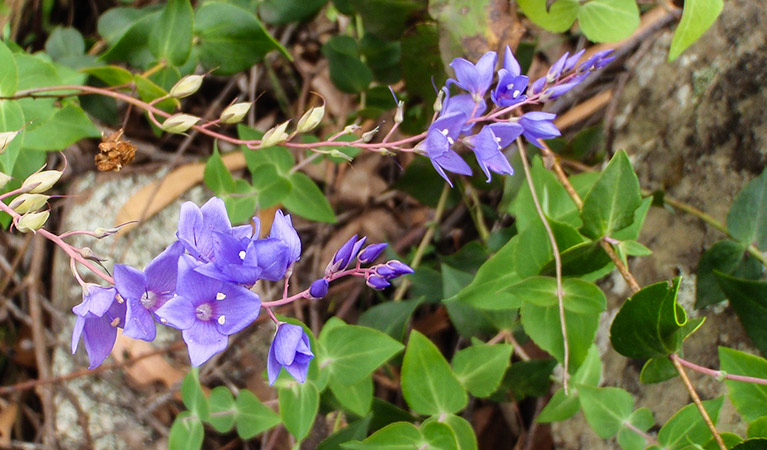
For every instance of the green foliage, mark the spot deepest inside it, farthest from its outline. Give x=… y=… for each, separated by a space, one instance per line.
x=749 y=300
x=194 y=399
x=480 y=368
x=747 y=220
x=697 y=17
x=750 y=399
x=253 y=417
x=687 y=427
x=171 y=38
x=299 y=403
x=186 y=433
x=600 y=20
x=561 y=406
x=347 y=71
x=726 y=257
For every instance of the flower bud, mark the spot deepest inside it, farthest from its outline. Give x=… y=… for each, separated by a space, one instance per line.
x=4 y=179
x=351 y=128
x=367 y=137
x=319 y=288
x=100 y=233
x=6 y=138
x=25 y=203
x=186 y=86
x=371 y=252
x=339 y=154
x=311 y=119
x=43 y=180
x=275 y=135
x=376 y=282
x=400 y=114
x=235 y=113
x=32 y=221
x=178 y=123
x=438 y=101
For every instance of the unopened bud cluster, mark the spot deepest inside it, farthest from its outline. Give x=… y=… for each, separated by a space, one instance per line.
x=32 y=199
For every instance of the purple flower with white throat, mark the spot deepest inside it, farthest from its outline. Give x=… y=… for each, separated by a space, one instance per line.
x=464 y=104
x=144 y=292
x=282 y=229
x=511 y=83
x=488 y=147
x=441 y=136
x=207 y=311
x=98 y=317
x=290 y=349
x=475 y=78
x=538 y=125
x=196 y=227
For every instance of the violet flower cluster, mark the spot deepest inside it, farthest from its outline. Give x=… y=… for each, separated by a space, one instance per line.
x=460 y=113
x=201 y=284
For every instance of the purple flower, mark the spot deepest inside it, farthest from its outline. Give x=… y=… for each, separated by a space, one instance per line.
x=282 y=229
x=441 y=136
x=511 y=83
x=146 y=291
x=572 y=61
x=207 y=311
x=319 y=288
x=98 y=317
x=380 y=275
x=197 y=225
x=538 y=125
x=556 y=69
x=371 y=253
x=377 y=282
x=488 y=147
x=475 y=78
x=464 y=104
x=345 y=255
x=537 y=86
x=596 y=61
x=561 y=89
x=291 y=350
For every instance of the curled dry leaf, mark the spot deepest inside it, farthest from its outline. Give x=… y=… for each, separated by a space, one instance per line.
x=114 y=152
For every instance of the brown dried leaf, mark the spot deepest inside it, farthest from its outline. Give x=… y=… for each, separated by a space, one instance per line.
x=7 y=419
x=148 y=370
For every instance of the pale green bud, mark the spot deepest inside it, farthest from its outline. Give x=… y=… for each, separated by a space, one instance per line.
x=32 y=221
x=351 y=128
x=178 y=123
x=275 y=135
x=4 y=179
x=438 y=101
x=367 y=137
x=399 y=115
x=235 y=113
x=44 y=181
x=339 y=154
x=100 y=233
x=28 y=202
x=310 y=119
x=186 y=86
x=6 y=138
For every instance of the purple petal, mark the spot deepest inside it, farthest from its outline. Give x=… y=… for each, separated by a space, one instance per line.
x=507 y=132
x=214 y=218
x=450 y=124
x=99 y=338
x=299 y=368
x=371 y=253
x=203 y=341
x=96 y=300
x=139 y=322
x=272 y=366
x=162 y=271
x=319 y=288
x=377 y=282
x=177 y=312
x=451 y=161
x=247 y=231
x=510 y=63
x=357 y=246
x=556 y=69
x=189 y=227
x=485 y=71
x=193 y=286
x=572 y=61
x=77 y=332
x=238 y=308
x=466 y=74
x=272 y=258
x=286 y=341
x=282 y=229
x=129 y=281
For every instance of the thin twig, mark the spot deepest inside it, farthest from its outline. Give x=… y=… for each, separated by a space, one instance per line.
x=696 y=400
x=557 y=263
x=719 y=374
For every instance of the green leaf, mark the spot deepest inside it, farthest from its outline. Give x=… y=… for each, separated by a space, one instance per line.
x=171 y=38
x=231 y=39
x=355 y=398
x=216 y=175
x=687 y=426
x=438 y=435
x=462 y=430
x=749 y=300
x=428 y=384
x=253 y=417
x=242 y=203
x=578 y=260
x=697 y=17
x=529 y=378
x=307 y=200
x=583 y=303
x=64 y=43
x=354 y=431
x=610 y=204
x=186 y=433
x=750 y=399
x=629 y=439
x=608 y=20
x=557 y=19
x=757 y=428
x=747 y=220
x=480 y=368
x=148 y=90
x=390 y=317
x=420 y=55
x=352 y=352
x=606 y=409
x=656 y=370
x=193 y=396
x=385 y=18
x=111 y=75
x=35 y=72
x=634 y=248
x=270 y=185
x=11 y=119
x=383 y=58
x=222 y=409
x=347 y=71
x=299 y=404
x=727 y=257
x=127 y=30
x=281 y=12
x=731 y=440
x=67 y=126
x=561 y=406
x=395 y=436
x=9 y=76
x=650 y=324
x=752 y=444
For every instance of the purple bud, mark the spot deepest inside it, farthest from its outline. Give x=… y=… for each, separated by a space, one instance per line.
x=319 y=288
x=377 y=283
x=399 y=267
x=344 y=255
x=371 y=252
x=556 y=70
x=537 y=86
x=596 y=58
x=572 y=61
x=385 y=271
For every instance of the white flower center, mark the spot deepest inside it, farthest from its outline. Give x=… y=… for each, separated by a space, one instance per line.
x=148 y=300
x=204 y=311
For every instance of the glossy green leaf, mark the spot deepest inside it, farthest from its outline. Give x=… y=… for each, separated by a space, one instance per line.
x=727 y=257
x=67 y=126
x=396 y=436
x=650 y=324
x=557 y=19
x=307 y=200
x=606 y=409
x=438 y=435
x=608 y=20
x=281 y=12
x=148 y=90
x=757 y=428
x=687 y=426
x=193 y=396
x=610 y=204
x=554 y=199
x=352 y=352
x=347 y=71
x=463 y=432
x=127 y=31
x=186 y=433
x=583 y=302
x=697 y=17
x=747 y=220
x=253 y=417
x=241 y=203
x=657 y=370
x=9 y=76
x=629 y=439
x=391 y=318
x=216 y=175
x=561 y=406
x=11 y=119
x=111 y=75
x=752 y=444
x=222 y=409
x=480 y=368
x=750 y=399
x=270 y=185
x=578 y=260
x=356 y=398
x=299 y=404
x=428 y=384
x=231 y=39
x=731 y=440
x=749 y=300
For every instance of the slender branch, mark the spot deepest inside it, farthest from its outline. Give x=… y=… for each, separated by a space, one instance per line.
x=650 y=439
x=718 y=374
x=698 y=403
x=557 y=263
